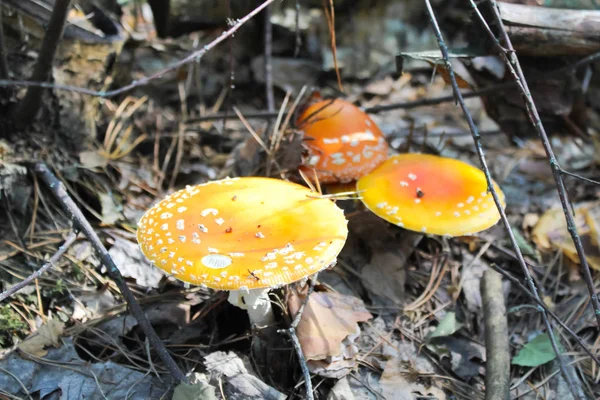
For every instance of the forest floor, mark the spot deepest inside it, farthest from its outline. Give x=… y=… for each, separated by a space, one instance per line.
x=401 y=314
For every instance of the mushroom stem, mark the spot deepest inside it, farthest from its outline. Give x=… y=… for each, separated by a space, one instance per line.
x=257 y=303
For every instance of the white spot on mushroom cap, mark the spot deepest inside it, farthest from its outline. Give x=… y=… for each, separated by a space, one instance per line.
x=180 y=224
x=207 y=211
x=412 y=176
x=216 y=261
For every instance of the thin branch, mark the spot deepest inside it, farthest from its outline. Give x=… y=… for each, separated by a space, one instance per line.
x=53 y=260
x=512 y=62
x=58 y=190
x=269 y=60
x=4 y=71
x=291 y=331
x=577 y=176
x=497 y=364
x=32 y=101
x=298 y=37
x=488 y=177
x=194 y=57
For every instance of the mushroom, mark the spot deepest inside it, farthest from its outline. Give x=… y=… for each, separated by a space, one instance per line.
x=246 y=235
x=430 y=194
x=343 y=142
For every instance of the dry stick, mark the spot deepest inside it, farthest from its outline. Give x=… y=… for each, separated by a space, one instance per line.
x=31 y=102
x=583 y=178
x=512 y=62
x=480 y=154
x=79 y=220
x=61 y=250
x=269 y=60
x=497 y=365
x=424 y=102
x=291 y=331
x=3 y=61
x=195 y=56
x=298 y=38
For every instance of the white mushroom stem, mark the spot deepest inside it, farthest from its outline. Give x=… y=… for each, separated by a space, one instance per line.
x=257 y=303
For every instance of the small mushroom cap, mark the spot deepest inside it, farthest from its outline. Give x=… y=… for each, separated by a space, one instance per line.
x=344 y=143
x=242 y=233
x=432 y=194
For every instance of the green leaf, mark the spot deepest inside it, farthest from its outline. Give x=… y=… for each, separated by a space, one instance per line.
x=525 y=247
x=447 y=326
x=535 y=353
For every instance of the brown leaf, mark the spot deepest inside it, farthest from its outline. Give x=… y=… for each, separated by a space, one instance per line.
x=328 y=319
x=47 y=335
x=551 y=232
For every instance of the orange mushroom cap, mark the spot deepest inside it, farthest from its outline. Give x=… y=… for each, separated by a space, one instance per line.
x=344 y=143
x=432 y=194
x=242 y=233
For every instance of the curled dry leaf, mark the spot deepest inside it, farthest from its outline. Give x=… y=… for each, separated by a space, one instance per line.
x=47 y=335
x=328 y=319
x=551 y=232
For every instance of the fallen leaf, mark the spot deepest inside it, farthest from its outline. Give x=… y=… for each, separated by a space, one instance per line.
x=132 y=263
x=92 y=159
x=111 y=211
x=551 y=232
x=328 y=319
x=447 y=326
x=92 y=305
x=535 y=353
x=198 y=389
x=396 y=384
x=81 y=380
x=341 y=391
x=230 y=371
x=47 y=335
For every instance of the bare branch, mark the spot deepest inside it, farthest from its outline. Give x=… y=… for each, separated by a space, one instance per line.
x=61 y=250
x=480 y=153
x=58 y=190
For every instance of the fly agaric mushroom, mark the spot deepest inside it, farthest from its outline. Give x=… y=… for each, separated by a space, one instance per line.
x=343 y=141
x=246 y=235
x=432 y=194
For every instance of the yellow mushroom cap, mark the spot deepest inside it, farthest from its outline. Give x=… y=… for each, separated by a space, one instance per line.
x=242 y=233
x=432 y=194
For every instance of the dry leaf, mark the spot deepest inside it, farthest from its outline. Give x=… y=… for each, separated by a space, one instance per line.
x=47 y=335
x=328 y=319
x=396 y=383
x=551 y=232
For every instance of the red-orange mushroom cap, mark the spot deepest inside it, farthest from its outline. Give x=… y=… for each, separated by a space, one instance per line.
x=344 y=143
x=431 y=194
x=242 y=233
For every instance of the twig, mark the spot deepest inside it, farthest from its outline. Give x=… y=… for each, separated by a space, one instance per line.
x=330 y=16
x=79 y=220
x=488 y=177
x=31 y=102
x=269 y=60
x=512 y=62
x=298 y=37
x=291 y=331
x=193 y=57
x=61 y=250
x=577 y=176
x=497 y=364
x=4 y=71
